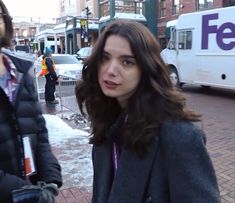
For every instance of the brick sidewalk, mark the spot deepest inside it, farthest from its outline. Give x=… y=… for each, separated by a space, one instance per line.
x=73 y=195
x=218 y=109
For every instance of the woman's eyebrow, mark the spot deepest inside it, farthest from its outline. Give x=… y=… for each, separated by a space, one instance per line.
x=128 y=56
x=122 y=56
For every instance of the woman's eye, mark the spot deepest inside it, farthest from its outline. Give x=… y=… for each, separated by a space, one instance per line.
x=128 y=63
x=104 y=58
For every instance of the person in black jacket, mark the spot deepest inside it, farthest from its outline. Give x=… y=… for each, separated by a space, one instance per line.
x=50 y=75
x=147 y=147
x=29 y=172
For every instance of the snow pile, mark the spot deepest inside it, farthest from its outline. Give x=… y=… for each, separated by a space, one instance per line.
x=71 y=148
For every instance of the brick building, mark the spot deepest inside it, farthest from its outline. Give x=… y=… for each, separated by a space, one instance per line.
x=24 y=32
x=170 y=10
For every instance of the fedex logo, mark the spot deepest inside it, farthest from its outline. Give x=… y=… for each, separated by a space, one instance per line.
x=225 y=33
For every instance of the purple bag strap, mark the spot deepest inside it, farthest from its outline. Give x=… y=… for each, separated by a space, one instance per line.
x=115 y=157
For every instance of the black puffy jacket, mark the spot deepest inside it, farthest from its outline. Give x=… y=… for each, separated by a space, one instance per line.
x=22 y=118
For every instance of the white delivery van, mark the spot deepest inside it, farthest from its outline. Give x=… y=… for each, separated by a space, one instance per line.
x=202 y=48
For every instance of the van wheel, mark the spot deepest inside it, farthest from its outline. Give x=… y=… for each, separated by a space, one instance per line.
x=174 y=77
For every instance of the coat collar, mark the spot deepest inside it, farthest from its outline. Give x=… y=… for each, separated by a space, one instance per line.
x=132 y=176
x=131 y=180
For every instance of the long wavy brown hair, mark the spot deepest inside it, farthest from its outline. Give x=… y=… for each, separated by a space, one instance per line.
x=154 y=101
x=5 y=40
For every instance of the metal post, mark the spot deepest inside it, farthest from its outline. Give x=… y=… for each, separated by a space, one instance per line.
x=112 y=9
x=87 y=24
x=135 y=6
x=55 y=41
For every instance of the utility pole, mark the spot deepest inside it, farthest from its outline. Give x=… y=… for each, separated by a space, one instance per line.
x=87 y=25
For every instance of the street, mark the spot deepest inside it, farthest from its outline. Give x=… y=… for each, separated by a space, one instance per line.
x=218 y=112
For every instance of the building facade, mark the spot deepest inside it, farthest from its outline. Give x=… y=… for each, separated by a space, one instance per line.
x=24 y=33
x=168 y=10
x=82 y=29
x=76 y=27
x=144 y=11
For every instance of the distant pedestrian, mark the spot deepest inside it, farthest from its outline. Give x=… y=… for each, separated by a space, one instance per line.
x=39 y=53
x=59 y=50
x=29 y=172
x=49 y=71
x=146 y=147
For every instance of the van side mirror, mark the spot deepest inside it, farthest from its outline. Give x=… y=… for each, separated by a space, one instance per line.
x=171 y=45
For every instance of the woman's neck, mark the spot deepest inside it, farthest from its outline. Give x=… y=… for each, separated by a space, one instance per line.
x=2 y=66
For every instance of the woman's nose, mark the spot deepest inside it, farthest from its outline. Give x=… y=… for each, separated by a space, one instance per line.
x=112 y=67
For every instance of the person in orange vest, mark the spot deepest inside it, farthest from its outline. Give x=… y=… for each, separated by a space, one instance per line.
x=48 y=70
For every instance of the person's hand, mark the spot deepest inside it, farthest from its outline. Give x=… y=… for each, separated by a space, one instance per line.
x=40 y=193
x=54 y=77
x=58 y=78
x=49 y=191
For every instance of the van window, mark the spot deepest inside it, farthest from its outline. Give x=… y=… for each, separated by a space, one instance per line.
x=185 y=40
x=172 y=41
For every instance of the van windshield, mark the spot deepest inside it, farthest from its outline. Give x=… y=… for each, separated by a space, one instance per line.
x=65 y=59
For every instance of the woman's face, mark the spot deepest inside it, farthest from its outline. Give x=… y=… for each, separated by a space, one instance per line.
x=119 y=74
x=2 y=24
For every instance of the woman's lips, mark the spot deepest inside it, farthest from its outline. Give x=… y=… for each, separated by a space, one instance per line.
x=110 y=84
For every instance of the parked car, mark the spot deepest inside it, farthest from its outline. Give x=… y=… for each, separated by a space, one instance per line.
x=67 y=66
x=83 y=53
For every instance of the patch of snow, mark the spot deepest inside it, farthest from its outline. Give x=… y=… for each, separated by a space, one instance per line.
x=73 y=152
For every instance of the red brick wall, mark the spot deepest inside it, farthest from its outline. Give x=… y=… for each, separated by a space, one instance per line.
x=188 y=6
x=218 y=3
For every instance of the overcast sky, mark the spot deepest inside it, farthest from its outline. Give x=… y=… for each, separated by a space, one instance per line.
x=33 y=8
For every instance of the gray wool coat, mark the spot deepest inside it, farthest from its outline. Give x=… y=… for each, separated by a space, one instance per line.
x=176 y=169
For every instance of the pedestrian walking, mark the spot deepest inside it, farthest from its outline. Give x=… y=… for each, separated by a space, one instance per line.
x=29 y=172
x=49 y=71
x=146 y=145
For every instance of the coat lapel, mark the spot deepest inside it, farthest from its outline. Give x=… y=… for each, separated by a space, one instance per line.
x=132 y=176
x=103 y=173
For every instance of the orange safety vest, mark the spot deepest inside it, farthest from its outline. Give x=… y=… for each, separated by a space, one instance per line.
x=45 y=70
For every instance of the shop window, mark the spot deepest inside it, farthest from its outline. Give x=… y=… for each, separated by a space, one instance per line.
x=204 y=4
x=231 y=3
x=163 y=8
x=175 y=7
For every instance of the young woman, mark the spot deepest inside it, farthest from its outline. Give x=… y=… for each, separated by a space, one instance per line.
x=25 y=153
x=145 y=145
